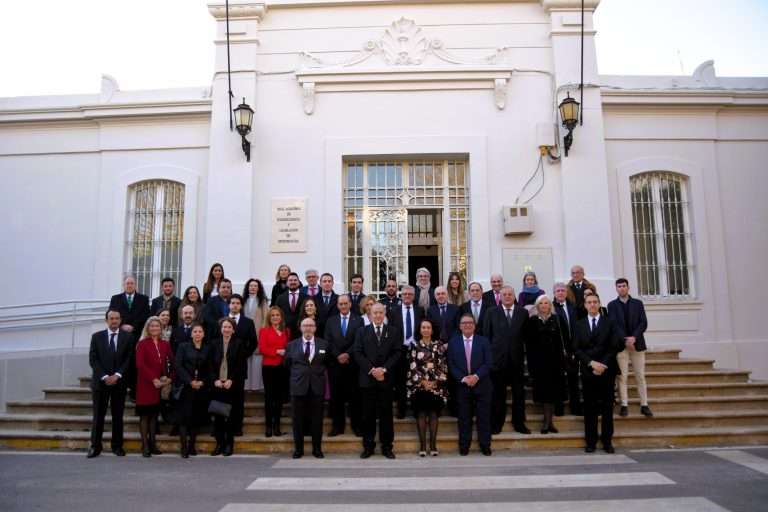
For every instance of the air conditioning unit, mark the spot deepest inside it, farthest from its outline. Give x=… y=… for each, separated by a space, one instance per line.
x=518 y=219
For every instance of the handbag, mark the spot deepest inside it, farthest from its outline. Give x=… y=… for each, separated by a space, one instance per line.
x=218 y=408
x=165 y=391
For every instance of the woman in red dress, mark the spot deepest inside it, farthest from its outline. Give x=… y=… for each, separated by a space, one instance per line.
x=272 y=342
x=154 y=369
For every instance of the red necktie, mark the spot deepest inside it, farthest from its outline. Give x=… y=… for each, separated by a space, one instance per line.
x=497 y=297
x=293 y=301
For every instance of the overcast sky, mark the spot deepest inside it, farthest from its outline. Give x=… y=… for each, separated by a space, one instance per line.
x=63 y=46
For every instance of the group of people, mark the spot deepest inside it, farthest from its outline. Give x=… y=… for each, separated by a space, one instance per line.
x=191 y=359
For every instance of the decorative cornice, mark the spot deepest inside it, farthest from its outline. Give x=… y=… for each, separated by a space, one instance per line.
x=238 y=10
x=551 y=5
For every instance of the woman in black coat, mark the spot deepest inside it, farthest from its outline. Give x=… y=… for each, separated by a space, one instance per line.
x=193 y=372
x=281 y=283
x=228 y=374
x=546 y=359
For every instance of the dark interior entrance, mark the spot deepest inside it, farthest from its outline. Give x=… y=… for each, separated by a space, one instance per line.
x=428 y=262
x=425 y=243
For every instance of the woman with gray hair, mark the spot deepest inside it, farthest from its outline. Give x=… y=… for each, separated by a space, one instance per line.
x=545 y=349
x=531 y=290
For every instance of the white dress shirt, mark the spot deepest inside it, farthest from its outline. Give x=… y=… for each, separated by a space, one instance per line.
x=411 y=340
x=596 y=318
x=311 y=347
x=109 y=335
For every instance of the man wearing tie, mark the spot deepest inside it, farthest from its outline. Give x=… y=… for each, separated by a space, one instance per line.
x=492 y=297
x=110 y=358
x=291 y=301
x=306 y=358
x=340 y=332
x=444 y=314
x=377 y=350
x=407 y=316
x=470 y=361
x=566 y=309
x=596 y=342
x=576 y=287
x=475 y=306
x=183 y=333
x=311 y=289
x=356 y=292
x=327 y=299
x=245 y=331
x=134 y=311
x=217 y=308
x=504 y=327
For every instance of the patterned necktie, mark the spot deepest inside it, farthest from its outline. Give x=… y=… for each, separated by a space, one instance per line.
x=408 y=327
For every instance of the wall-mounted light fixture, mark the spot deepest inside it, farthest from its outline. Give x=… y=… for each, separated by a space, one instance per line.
x=569 y=113
x=243 y=121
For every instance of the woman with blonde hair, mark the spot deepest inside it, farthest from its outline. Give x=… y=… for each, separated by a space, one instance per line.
x=273 y=338
x=281 y=283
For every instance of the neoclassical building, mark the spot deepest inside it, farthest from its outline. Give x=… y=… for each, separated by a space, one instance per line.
x=389 y=135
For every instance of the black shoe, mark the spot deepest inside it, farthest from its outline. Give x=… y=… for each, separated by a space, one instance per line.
x=609 y=448
x=388 y=454
x=94 y=452
x=463 y=452
x=335 y=432
x=400 y=415
x=229 y=449
x=624 y=411
x=646 y=411
x=366 y=453
x=174 y=431
x=496 y=431
x=318 y=454
x=218 y=450
x=589 y=449
x=522 y=430
x=268 y=431
x=239 y=433
x=553 y=430
x=545 y=431
x=276 y=430
x=297 y=455
x=576 y=410
x=119 y=452
x=357 y=432
x=486 y=451
x=192 y=450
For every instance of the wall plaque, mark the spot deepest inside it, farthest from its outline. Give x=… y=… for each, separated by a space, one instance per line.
x=289 y=225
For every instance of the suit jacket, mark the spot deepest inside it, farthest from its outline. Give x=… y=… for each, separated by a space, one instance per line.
x=246 y=332
x=215 y=309
x=507 y=338
x=370 y=352
x=489 y=299
x=568 y=321
x=157 y=306
x=448 y=323
x=235 y=360
x=481 y=360
x=337 y=343
x=179 y=336
x=306 y=376
x=391 y=303
x=291 y=317
x=637 y=321
x=134 y=316
x=600 y=345
x=466 y=308
x=395 y=318
x=104 y=362
x=577 y=296
x=356 y=302
x=327 y=310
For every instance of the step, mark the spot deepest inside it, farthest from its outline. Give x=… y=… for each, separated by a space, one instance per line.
x=662 y=365
x=404 y=443
x=568 y=423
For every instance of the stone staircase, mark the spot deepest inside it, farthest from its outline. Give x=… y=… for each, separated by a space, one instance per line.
x=693 y=403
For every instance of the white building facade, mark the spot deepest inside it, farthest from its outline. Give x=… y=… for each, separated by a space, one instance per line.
x=400 y=134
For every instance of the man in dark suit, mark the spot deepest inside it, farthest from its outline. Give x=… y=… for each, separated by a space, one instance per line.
x=110 y=358
x=492 y=297
x=340 y=333
x=444 y=314
x=183 y=333
x=312 y=288
x=306 y=358
x=377 y=350
x=504 y=327
x=596 y=341
x=327 y=298
x=475 y=306
x=217 y=308
x=245 y=331
x=390 y=299
x=356 y=292
x=576 y=287
x=565 y=308
x=628 y=314
x=407 y=317
x=290 y=301
x=167 y=301
x=470 y=361
x=134 y=312
x=425 y=292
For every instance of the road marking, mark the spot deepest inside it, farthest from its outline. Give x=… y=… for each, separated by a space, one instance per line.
x=461 y=483
x=625 y=505
x=454 y=462
x=743 y=459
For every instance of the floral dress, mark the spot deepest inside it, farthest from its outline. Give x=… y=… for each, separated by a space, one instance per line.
x=427 y=362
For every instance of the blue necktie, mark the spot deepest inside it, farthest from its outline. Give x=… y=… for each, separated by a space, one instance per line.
x=408 y=328
x=112 y=346
x=594 y=324
x=344 y=326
